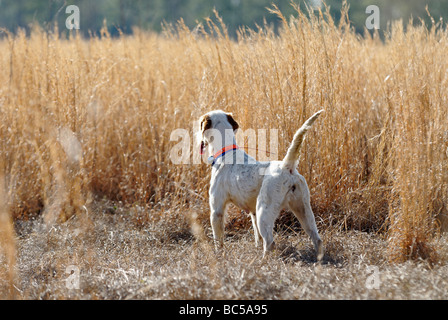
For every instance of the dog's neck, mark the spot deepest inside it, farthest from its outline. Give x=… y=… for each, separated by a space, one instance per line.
x=227 y=139
x=212 y=159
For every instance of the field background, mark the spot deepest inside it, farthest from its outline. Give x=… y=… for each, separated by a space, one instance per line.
x=86 y=177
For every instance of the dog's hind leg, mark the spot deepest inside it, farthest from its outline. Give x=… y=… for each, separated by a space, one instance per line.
x=308 y=223
x=266 y=215
x=302 y=210
x=298 y=201
x=256 y=232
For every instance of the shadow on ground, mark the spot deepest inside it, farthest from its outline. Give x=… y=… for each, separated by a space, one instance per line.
x=291 y=254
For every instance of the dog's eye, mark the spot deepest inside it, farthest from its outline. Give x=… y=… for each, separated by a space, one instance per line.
x=293 y=188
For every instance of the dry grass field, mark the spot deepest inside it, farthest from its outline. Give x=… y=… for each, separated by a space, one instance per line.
x=87 y=182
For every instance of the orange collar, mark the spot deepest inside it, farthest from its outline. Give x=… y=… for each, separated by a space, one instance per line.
x=222 y=152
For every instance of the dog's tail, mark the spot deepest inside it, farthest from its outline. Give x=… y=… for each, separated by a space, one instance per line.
x=292 y=156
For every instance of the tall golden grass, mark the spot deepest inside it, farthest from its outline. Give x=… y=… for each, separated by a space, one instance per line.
x=88 y=118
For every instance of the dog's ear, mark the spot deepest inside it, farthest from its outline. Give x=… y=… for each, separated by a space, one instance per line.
x=206 y=122
x=232 y=122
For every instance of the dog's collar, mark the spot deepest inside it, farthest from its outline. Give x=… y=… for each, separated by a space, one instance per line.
x=221 y=153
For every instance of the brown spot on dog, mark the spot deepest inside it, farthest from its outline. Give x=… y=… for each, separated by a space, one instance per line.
x=206 y=122
x=232 y=122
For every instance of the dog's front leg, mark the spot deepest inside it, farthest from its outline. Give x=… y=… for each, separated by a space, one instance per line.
x=217 y=221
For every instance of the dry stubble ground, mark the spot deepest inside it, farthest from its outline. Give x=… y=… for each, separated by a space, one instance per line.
x=120 y=254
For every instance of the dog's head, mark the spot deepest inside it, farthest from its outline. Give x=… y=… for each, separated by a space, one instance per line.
x=215 y=122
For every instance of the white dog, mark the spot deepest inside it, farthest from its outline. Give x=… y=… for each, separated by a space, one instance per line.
x=263 y=188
